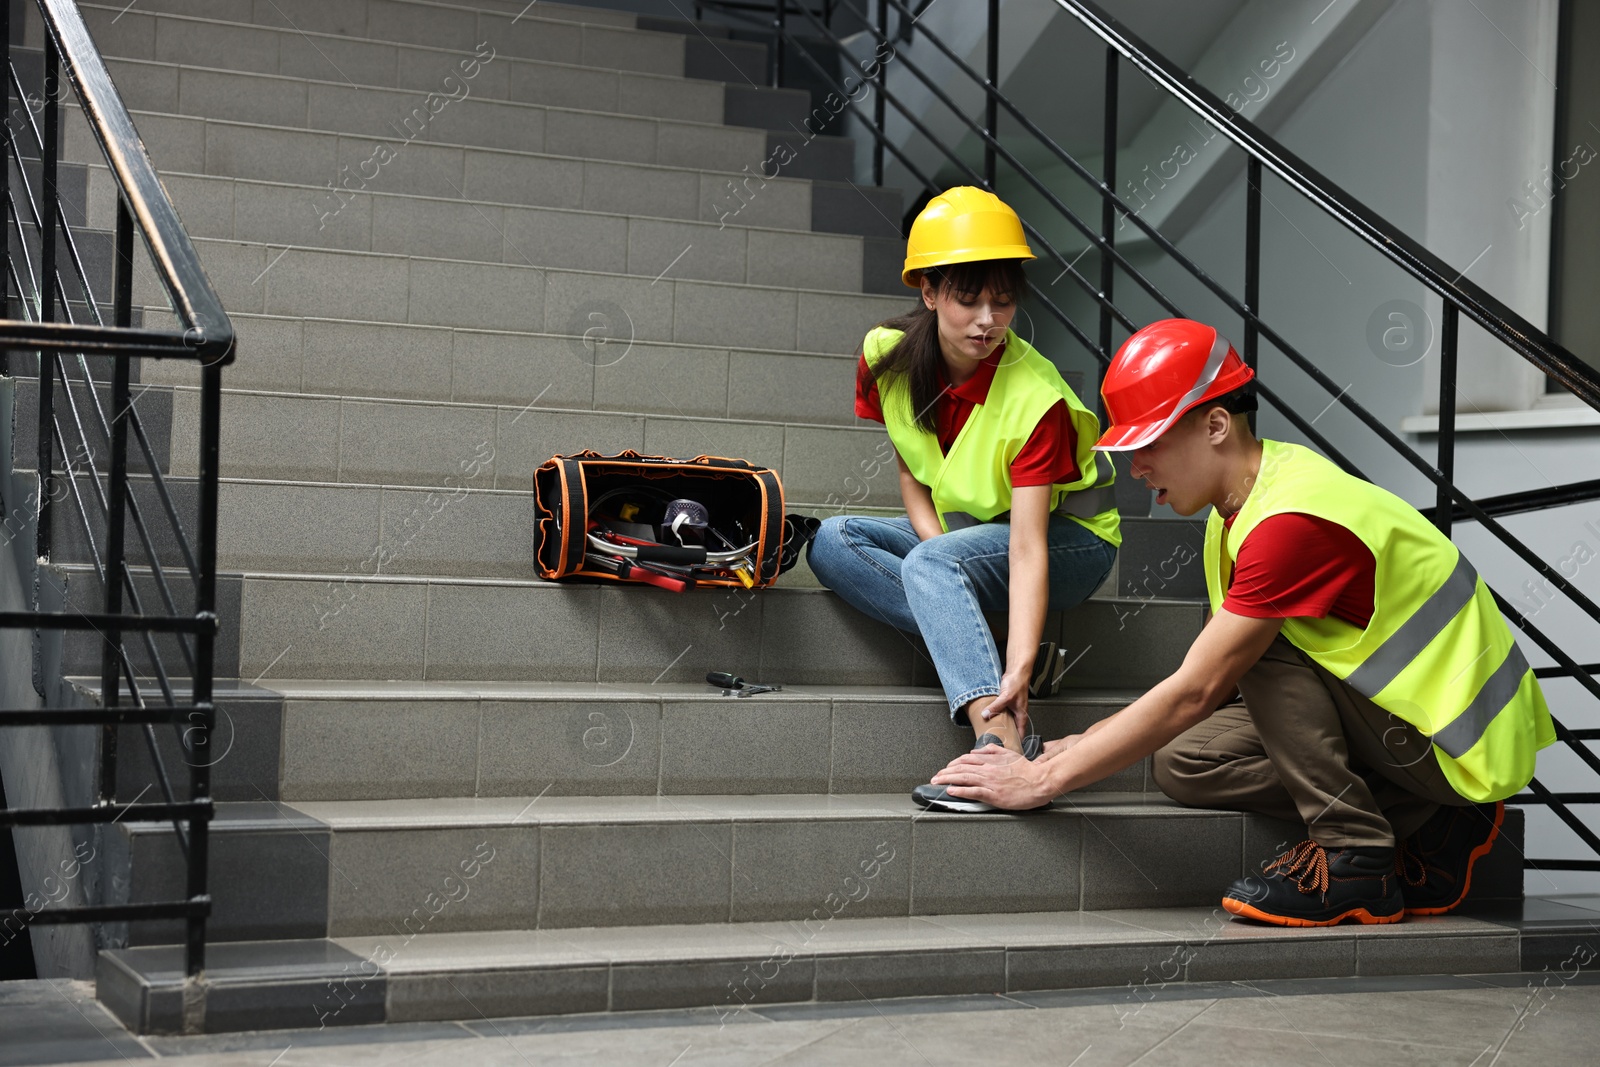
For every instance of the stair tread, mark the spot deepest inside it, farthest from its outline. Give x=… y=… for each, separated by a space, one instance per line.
x=535 y=691
x=565 y=13
x=545 y=810
x=540 y=583
x=322 y=190
x=861 y=425
x=201 y=243
x=504 y=950
x=334 y=83
x=139 y=113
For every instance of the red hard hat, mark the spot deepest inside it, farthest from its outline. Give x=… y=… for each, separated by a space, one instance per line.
x=1159 y=373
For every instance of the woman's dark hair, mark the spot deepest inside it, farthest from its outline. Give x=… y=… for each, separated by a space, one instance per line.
x=916 y=361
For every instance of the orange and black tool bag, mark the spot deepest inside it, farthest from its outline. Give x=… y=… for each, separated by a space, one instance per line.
x=609 y=518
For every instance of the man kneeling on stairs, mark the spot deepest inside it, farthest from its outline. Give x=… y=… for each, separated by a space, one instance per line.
x=1355 y=673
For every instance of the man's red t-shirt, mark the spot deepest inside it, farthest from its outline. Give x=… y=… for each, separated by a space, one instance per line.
x=1294 y=565
x=1048 y=458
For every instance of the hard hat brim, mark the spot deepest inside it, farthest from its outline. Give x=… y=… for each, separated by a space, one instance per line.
x=1126 y=437
x=915 y=265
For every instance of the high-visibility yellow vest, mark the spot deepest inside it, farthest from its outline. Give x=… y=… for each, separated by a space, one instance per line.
x=1437 y=653
x=974 y=479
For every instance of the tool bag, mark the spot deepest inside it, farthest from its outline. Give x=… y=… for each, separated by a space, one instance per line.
x=621 y=518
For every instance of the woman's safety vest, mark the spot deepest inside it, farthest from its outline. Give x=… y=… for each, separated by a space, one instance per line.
x=972 y=483
x=1436 y=654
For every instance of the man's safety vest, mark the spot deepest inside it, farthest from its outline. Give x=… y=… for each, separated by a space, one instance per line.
x=1436 y=654
x=973 y=482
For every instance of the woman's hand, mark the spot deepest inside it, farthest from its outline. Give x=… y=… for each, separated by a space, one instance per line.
x=1013 y=697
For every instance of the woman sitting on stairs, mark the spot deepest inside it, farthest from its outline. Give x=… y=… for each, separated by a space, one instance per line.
x=1008 y=508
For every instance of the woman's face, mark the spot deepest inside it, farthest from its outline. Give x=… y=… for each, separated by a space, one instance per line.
x=970 y=324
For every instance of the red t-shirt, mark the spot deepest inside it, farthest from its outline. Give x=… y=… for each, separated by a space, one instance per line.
x=1048 y=458
x=1294 y=566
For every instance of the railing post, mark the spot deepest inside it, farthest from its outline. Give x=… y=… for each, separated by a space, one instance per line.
x=47 y=292
x=991 y=107
x=1108 y=211
x=780 y=14
x=1252 y=266
x=116 y=500
x=5 y=169
x=1444 y=511
x=877 y=98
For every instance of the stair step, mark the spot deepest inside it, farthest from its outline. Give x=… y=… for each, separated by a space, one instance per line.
x=484 y=232
x=444 y=531
x=332 y=357
x=282 y=50
x=1134 y=953
x=336 y=439
x=350 y=16
x=619 y=861
x=402 y=116
x=374 y=287
x=354 y=625
x=592 y=37
x=698 y=191
x=357 y=740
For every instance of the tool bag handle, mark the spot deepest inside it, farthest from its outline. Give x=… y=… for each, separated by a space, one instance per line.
x=629 y=455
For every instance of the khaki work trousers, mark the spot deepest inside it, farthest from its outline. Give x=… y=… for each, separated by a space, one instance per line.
x=1305 y=747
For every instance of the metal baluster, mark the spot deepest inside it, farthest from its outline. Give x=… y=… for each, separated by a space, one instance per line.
x=1252 y=265
x=1108 y=212
x=47 y=292
x=1444 y=512
x=780 y=13
x=205 y=641
x=991 y=110
x=117 y=492
x=877 y=98
x=5 y=172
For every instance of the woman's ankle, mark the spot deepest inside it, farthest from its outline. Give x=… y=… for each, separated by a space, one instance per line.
x=1003 y=726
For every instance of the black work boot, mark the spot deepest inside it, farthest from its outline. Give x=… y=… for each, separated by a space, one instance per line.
x=1435 y=863
x=1313 y=886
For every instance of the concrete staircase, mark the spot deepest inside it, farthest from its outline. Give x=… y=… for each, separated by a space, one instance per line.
x=449 y=790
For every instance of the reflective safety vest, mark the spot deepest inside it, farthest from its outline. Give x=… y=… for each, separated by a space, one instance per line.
x=973 y=482
x=1436 y=654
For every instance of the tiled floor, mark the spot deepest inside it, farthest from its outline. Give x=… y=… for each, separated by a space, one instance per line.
x=1544 y=1019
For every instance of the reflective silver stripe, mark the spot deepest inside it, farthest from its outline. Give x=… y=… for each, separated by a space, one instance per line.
x=1208 y=374
x=1414 y=635
x=1467 y=728
x=1087 y=503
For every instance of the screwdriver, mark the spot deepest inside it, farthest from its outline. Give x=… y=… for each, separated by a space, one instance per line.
x=733 y=685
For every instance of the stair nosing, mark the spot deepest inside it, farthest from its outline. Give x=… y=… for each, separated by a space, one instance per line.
x=255 y=575
x=869 y=427
x=300 y=80
x=810 y=354
x=323 y=189
x=787 y=90
x=171 y=116
x=454 y=9
x=797 y=290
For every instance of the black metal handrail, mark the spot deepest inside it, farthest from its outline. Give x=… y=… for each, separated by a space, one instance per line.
x=1262 y=153
x=58 y=334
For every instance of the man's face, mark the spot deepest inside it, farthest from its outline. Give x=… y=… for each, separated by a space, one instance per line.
x=1176 y=465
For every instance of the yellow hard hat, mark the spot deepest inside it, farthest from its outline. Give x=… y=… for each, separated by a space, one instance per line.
x=963 y=225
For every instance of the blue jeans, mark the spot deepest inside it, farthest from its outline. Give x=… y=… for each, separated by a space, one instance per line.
x=941 y=587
